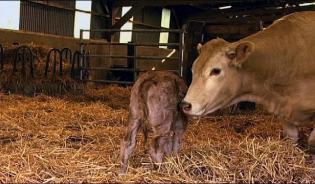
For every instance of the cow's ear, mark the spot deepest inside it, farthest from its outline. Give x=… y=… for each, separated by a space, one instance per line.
x=199 y=47
x=239 y=52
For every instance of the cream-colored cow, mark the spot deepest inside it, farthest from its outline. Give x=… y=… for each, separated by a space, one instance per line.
x=274 y=67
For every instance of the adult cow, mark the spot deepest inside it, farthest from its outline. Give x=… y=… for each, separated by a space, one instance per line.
x=274 y=67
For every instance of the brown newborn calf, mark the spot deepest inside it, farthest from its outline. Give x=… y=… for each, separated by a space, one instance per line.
x=154 y=103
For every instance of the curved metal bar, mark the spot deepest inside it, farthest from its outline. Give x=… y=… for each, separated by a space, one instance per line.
x=65 y=52
x=23 y=54
x=55 y=52
x=1 y=57
x=75 y=59
x=86 y=64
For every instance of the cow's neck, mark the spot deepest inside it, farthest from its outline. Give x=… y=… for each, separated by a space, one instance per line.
x=268 y=61
x=258 y=91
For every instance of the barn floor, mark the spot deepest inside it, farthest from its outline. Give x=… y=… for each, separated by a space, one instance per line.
x=77 y=139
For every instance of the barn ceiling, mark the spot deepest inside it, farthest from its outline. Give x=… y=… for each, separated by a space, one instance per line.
x=203 y=3
x=222 y=11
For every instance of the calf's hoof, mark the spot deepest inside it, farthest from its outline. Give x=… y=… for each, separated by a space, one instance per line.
x=156 y=157
x=291 y=132
x=123 y=170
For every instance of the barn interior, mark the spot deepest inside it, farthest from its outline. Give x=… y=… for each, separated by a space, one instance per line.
x=66 y=71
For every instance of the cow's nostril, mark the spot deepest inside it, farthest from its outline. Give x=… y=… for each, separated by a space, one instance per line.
x=185 y=106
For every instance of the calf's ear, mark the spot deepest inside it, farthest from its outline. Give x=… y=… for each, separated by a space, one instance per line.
x=199 y=47
x=238 y=52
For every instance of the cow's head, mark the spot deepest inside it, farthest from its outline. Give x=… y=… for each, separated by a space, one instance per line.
x=217 y=76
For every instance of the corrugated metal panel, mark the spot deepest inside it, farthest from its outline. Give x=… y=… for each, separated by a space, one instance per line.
x=41 y=18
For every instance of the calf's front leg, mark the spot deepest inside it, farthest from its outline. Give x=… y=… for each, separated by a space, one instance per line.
x=162 y=137
x=159 y=147
x=179 y=128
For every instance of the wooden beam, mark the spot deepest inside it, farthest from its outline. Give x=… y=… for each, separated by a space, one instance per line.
x=176 y=2
x=178 y=25
x=251 y=15
x=105 y=8
x=126 y=17
x=143 y=24
x=232 y=29
x=120 y=3
x=237 y=21
x=52 y=4
x=193 y=36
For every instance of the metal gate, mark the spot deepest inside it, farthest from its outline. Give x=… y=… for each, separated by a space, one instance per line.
x=132 y=57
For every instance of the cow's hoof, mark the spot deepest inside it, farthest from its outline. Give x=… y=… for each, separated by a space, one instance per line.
x=311 y=150
x=310 y=160
x=313 y=160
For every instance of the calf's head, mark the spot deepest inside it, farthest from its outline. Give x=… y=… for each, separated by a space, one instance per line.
x=217 y=76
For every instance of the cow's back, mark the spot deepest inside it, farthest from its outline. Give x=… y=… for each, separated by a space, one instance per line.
x=285 y=49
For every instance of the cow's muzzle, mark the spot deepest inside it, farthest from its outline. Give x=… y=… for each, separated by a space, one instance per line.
x=185 y=106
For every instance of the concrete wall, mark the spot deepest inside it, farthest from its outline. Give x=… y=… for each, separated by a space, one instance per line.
x=24 y=37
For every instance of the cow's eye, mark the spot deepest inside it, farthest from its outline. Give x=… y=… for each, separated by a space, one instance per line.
x=215 y=71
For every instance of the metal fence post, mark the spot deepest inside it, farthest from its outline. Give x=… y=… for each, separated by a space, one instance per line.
x=1 y=57
x=181 y=50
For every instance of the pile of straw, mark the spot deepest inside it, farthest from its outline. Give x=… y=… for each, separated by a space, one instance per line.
x=24 y=83
x=39 y=51
x=77 y=139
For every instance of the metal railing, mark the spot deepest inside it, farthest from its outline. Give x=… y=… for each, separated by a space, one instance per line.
x=132 y=57
x=24 y=59
x=23 y=55
x=1 y=57
x=56 y=59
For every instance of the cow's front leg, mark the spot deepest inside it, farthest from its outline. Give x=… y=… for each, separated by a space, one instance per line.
x=311 y=142
x=311 y=145
x=290 y=131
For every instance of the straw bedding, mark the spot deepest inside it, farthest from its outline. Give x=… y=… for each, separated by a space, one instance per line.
x=77 y=139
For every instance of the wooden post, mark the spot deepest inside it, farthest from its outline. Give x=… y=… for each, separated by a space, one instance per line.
x=193 y=36
x=126 y=17
x=130 y=53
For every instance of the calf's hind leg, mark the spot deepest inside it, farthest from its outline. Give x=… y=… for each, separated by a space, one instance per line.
x=290 y=131
x=129 y=142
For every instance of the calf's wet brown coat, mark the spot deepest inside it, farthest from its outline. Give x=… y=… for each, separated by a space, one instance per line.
x=154 y=103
